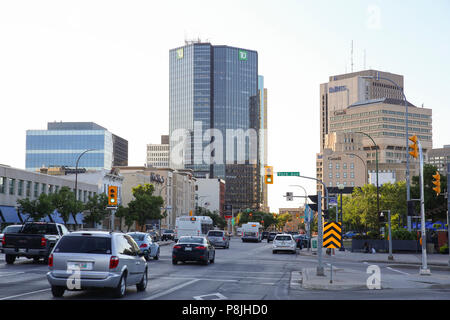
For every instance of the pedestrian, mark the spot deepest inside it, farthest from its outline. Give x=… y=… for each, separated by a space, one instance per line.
x=366 y=247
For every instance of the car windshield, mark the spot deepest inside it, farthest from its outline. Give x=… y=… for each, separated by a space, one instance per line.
x=137 y=236
x=190 y=240
x=168 y=231
x=84 y=244
x=283 y=238
x=12 y=229
x=215 y=234
x=40 y=228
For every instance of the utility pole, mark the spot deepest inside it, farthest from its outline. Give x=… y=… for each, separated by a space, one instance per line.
x=448 y=211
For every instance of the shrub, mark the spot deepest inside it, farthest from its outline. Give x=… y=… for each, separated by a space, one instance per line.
x=444 y=249
x=403 y=235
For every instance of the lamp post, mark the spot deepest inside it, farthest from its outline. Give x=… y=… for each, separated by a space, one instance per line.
x=376 y=163
x=408 y=190
x=306 y=202
x=76 y=171
x=365 y=165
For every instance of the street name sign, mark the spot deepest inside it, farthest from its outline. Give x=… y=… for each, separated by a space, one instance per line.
x=288 y=174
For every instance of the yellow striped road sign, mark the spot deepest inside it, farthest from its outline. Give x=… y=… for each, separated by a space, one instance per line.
x=332 y=235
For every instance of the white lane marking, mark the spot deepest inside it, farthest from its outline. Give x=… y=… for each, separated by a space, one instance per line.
x=5 y=274
x=218 y=295
x=171 y=290
x=398 y=271
x=24 y=294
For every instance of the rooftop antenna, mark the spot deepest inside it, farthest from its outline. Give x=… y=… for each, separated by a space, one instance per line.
x=352 y=57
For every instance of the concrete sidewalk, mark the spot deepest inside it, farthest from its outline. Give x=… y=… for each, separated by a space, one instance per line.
x=441 y=260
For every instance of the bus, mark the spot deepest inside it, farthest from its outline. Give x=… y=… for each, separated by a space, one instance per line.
x=192 y=226
x=252 y=231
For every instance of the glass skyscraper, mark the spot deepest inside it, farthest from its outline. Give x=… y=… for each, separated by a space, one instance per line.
x=62 y=143
x=216 y=87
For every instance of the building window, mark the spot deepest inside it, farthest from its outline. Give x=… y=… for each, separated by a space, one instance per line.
x=352 y=165
x=330 y=166
x=330 y=175
x=344 y=166
x=337 y=166
x=12 y=184
x=28 y=194
x=43 y=188
x=345 y=174
x=36 y=189
x=352 y=175
x=338 y=175
x=20 y=188
x=2 y=184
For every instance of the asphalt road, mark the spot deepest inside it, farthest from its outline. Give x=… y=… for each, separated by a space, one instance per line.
x=246 y=271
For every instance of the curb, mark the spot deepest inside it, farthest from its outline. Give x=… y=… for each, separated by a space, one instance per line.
x=305 y=283
x=411 y=264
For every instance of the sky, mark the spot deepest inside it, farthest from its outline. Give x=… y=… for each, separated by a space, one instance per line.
x=108 y=62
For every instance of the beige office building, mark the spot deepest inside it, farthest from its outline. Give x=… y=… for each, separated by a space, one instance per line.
x=439 y=157
x=176 y=187
x=158 y=154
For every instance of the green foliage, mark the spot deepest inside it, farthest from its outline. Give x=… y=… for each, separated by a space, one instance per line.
x=218 y=221
x=38 y=208
x=65 y=202
x=435 y=206
x=145 y=206
x=97 y=207
x=124 y=213
x=403 y=234
x=258 y=216
x=444 y=249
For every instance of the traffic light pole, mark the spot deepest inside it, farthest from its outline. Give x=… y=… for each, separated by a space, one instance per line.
x=320 y=269
x=424 y=269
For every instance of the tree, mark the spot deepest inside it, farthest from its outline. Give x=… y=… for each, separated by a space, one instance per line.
x=124 y=213
x=218 y=221
x=435 y=206
x=65 y=202
x=97 y=207
x=38 y=208
x=145 y=206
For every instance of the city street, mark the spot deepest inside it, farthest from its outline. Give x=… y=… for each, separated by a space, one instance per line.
x=246 y=271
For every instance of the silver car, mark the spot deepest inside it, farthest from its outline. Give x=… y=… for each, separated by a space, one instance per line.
x=146 y=244
x=219 y=238
x=96 y=259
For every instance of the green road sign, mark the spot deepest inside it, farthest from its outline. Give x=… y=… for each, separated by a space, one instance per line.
x=288 y=174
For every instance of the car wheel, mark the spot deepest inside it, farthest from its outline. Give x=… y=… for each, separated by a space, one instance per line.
x=58 y=291
x=174 y=261
x=141 y=286
x=10 y=258
x=121 y=288
x=205 y=262
x=157 y=255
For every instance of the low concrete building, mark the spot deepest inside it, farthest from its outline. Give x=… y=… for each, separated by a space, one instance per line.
x=20 y=184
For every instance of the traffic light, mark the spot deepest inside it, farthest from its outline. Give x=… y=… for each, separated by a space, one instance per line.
x=268 y=175
x=414 y=147
x=411 y=209
x=112 y=195
x=313 y=206
x=382 y=218
x=437 y=183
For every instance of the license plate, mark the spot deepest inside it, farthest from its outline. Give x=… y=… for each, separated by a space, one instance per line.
x=188 y=249
x=79 y=266
x=22 y=250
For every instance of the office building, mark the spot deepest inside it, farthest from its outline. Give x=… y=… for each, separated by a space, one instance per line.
x=351 y=103
x=214 y=101
x=63 y=142
x=439 y=157
x=158 y=154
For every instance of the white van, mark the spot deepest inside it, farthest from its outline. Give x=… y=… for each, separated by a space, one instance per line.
x=192 y=226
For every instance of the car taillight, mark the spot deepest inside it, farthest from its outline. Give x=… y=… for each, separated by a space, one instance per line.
x=200 y=248
x=177 y=247
x=43 y=241
x=113 y=262
x=50 y=261
x=3 y=241
x=144 y=245
x=223 y=238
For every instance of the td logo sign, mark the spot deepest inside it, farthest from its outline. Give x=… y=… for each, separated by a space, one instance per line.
x=243 y=55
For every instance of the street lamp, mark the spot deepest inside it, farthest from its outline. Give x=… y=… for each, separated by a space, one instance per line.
x=306 y=202
x=76 y=171
x=376 y=161
x=377 y=78
x=341 y=188
x=364 y=162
